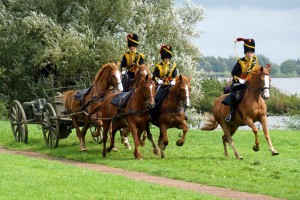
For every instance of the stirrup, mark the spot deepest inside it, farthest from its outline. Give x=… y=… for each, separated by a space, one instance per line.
x=228 y=118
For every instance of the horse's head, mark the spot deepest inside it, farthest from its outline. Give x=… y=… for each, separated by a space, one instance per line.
x=147 y=86
x=109 y=75
x=140 y=74
x=260 y=81
x=183 y=89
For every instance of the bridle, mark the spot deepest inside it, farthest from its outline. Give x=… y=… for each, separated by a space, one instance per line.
x=260 y=88
x=148 y=97
x=111 y=83
x=180 y=97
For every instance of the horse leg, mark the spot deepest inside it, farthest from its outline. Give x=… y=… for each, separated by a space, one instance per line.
x=264 y=124
x=182 y=140
x=228 y=137
x=143 y=140
x=83 y=133
x=106 y=127
x=110 y=133
x=124 y=137
x=134 y=132
x=250 y=123
x=78 y=133
x=112 y=140
x=163 y=140
x=224 y=139
x=150 y=138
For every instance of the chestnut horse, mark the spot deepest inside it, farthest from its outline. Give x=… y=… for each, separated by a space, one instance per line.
x=252 y=108
x=140 y=74
x=171 y=114
x=134 y=114
x=107 y=80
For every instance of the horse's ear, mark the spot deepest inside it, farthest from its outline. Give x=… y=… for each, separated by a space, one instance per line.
x=118 y=64
x=261 y=69
x=180 y=77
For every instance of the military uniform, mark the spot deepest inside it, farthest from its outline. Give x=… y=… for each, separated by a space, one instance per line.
x=241 y=71
x=129 y=59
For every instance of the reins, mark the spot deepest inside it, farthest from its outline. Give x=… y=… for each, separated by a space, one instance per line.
x=259 y=89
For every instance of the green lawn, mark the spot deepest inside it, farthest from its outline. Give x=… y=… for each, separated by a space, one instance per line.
x=199 y=160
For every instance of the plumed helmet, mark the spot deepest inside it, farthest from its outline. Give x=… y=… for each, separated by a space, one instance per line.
x=166 y=51
x=249 y=44
x=132 y=40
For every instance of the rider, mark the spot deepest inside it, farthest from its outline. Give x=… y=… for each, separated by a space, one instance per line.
x=130 y=58
x=241 y=70
x=164 y=74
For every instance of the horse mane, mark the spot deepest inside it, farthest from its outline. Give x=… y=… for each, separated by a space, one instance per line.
x=143 y=66
x=183 y=78
x=103 y=69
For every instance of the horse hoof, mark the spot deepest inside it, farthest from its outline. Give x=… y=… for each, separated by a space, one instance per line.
x=114 y=149
x=156 y=152
x=240 y=158
x=255 y=148
x=275 y=153
x=83 y=149
x=179 y=143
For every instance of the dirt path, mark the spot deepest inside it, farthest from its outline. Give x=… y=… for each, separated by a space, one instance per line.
x=220 y=192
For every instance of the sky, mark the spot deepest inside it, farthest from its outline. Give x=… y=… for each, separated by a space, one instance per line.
x=273 y=24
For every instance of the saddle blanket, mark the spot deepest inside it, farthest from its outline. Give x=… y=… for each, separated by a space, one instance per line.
x=121 y=99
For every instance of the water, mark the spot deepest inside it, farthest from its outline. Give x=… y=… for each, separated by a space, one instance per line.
x=289 y=86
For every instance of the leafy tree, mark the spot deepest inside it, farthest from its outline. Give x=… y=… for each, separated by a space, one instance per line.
x=274 y=69
x=70 y=37
x=288 y=66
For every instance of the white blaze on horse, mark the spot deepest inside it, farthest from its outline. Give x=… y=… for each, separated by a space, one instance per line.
x=252 y=108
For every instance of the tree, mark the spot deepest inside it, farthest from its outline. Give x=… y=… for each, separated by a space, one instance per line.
x=288 y=66
x=75 y=36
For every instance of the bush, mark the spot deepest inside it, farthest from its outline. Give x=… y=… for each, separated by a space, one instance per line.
x=3 y=110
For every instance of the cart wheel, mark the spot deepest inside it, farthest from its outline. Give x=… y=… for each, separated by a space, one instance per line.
x=18 y=122
x=97 y=138
x=50 y=126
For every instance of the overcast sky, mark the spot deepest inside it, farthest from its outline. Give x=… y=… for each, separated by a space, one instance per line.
x=274 y=25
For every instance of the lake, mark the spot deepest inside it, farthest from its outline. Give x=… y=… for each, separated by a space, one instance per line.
x=289 y=86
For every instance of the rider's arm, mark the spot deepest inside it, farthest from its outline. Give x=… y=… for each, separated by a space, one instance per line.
x=123 y=63
x=236 y=71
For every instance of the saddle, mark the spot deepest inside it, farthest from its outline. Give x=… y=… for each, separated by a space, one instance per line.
x=82 y=93
x=237 y=93
x=121 y=99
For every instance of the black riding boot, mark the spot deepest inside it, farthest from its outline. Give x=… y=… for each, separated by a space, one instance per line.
x=230 y=116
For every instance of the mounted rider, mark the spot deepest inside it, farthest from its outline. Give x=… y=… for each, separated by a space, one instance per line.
x=241 y=72
x=129 y=60
x=164 y=73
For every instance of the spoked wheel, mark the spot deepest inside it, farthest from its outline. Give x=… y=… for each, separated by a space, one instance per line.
x=50 y=126
x=97 y=138
x=18 y=122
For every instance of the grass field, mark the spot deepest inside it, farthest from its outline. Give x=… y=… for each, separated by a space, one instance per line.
x=199 y=160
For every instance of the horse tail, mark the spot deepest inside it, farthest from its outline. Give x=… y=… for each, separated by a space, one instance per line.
x=208 y=123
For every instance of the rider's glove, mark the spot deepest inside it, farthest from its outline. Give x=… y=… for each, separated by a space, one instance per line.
x=124 y=72
x=242 y=81
x=159 y=81
x=172 y=82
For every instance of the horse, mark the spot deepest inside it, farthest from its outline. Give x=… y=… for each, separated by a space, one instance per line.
x=107 y=80
x=252 y=108
x=171 y=114
x=140 y=73
x=134 y=114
